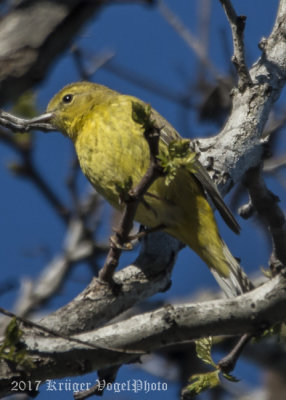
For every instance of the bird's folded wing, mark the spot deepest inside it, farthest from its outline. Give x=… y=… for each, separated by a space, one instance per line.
x=167 y=135
x=211 y=189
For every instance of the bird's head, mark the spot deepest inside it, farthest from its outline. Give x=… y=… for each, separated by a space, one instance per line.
x=72 y=104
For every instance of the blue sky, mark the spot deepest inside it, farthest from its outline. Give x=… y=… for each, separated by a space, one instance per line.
x=141 y=40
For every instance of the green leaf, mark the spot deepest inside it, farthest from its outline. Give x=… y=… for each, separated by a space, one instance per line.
x=178 y=155
x=179 y=148
x=12 y=335
x=268 y=332
x=203 y=349
x=230 y=378
x=266 y=272
x=202 y=382
x=10 y=349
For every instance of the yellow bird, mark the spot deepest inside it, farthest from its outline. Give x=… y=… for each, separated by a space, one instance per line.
x=111 y=149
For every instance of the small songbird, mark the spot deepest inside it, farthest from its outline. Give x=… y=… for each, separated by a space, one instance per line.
x=111 y=149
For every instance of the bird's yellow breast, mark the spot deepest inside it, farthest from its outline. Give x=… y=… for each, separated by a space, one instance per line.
x=105 y=154
x=109 y=158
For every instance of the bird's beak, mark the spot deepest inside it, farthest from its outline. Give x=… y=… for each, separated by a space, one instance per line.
x=43 y=122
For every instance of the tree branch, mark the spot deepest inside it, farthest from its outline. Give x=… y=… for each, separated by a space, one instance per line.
x=239 y=146
x=97 y=304
x=134 y=195
x=194 y=44
x=266 y=205
x=237 y=25
x=57 y=357
x=25 y=58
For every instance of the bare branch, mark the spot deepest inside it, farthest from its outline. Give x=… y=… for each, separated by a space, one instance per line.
x=26 y=57
x=107 y=375
x=106 y=62
x=188 y=37
x=135 y=195
x=228 y=363
x=237 y=24
x=26 y=168
x=274 y=163
x=23 y=125
x=239 y=146
x=76 y=248
x=250 y=312
x=266 y=205
x=97 y=304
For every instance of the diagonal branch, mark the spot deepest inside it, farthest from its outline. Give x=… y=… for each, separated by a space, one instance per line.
x=266 y=205
x=237 y=25
x=193 y=43
x=134 y=196
x=27 y=169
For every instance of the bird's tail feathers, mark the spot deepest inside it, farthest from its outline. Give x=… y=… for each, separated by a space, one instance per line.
x=237 y=282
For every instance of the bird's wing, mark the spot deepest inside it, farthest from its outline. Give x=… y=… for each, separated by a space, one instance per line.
x=167 y=132
x=211 y=189
x=167 y=135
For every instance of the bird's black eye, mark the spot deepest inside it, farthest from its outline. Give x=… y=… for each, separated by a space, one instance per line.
x=67 y=98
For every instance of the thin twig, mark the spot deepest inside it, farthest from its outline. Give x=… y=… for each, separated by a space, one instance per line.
x=274 y=164
x=105 y=376
x=177 y=24
x=22 y=125
x=71 y=182
x=228 y=363
x=126 y=73
x=7 y=285
x=121 y=237
x=140 y=2
x=204 y=14
x=29 y=171
x=237 y=25
x=27 y=168
x=106 y=61
x=98 y=62
x=266 y=205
